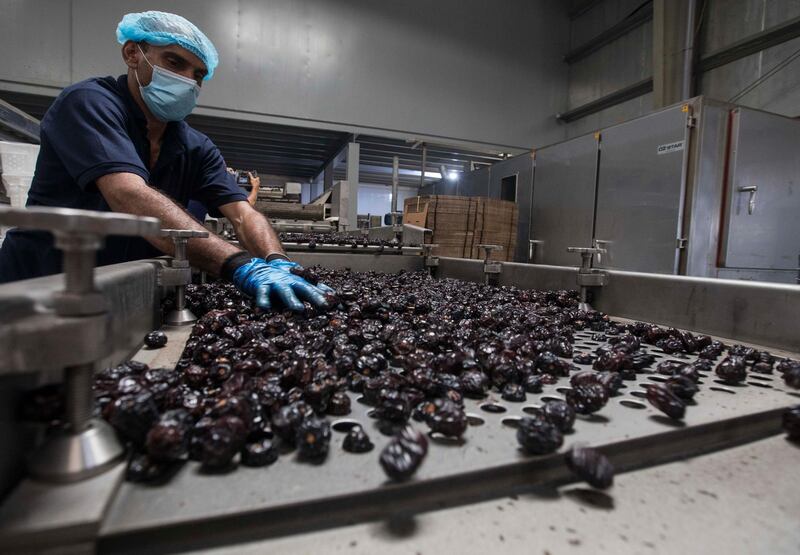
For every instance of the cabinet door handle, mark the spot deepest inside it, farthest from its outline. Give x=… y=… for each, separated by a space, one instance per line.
x=532 y=248
x=601 y=244
x=751 y=202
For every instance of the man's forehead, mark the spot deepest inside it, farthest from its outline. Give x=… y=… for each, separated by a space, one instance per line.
x=185 y=54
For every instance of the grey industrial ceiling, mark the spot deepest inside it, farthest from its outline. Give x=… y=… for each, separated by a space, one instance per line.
x=302 y=153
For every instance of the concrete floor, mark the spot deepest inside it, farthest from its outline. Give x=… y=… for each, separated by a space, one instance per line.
x=741 y=500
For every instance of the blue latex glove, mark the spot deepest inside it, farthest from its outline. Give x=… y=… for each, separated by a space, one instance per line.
x=288 y=265
x=264 y=280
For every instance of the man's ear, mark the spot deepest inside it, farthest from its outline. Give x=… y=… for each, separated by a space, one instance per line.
x=130 y=54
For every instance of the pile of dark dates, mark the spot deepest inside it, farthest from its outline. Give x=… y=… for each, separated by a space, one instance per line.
x=254 y=385
x=311 y=240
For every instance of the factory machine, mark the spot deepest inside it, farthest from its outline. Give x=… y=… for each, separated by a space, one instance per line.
x=70 y=495
x=329 y=223
x=701 y=188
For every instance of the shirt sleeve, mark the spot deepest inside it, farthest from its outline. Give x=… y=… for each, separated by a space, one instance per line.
x=87 y=131
x=217 y=187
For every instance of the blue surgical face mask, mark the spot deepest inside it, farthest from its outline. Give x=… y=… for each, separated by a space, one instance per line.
x=169 y=96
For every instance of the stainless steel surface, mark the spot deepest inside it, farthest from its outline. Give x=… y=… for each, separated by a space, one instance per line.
x=739 y=501
x=290 y=496
x=587 y=276
x=704 y=192
x=639 y=191
x=133 y=300
x=45 y=518
x=72 y=456
x=774 y=276
x=522 y=166
x=562 y=210
x=70 y=220
x=767 y=314
x=79 y=235
x=762 y=230
x=353 y=168
x=84 y=447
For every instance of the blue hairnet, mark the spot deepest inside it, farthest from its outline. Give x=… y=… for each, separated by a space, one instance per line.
x=161 y=28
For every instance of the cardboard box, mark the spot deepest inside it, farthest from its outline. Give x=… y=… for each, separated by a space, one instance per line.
x=460 y=224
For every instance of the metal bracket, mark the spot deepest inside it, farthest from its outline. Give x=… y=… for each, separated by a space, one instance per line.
x=491 y=268
x=179 y=275
x=85 y=447
x=681 y=242
x=431 y=261
x=532 y=244
x=588 y=276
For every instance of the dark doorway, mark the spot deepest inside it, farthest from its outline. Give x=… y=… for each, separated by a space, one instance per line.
x=508 y=188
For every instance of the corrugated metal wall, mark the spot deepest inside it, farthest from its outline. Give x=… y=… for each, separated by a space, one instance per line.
x=728 y=21
x=629 y=59
x=625 y=61
x=455 y=69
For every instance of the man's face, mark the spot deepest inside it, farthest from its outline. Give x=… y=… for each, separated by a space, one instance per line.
x=171 y=57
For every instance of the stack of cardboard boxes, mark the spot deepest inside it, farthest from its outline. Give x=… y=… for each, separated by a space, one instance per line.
x=460 y=224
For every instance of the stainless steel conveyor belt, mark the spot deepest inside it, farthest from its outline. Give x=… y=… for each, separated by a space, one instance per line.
x=292 y=497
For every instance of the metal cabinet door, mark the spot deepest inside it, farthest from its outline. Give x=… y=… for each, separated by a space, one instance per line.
x=522 y=167
x=763 y=209
x=640 y=192
x=562 y=210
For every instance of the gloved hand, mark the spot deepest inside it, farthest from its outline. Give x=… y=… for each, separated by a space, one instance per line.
x=265 y=280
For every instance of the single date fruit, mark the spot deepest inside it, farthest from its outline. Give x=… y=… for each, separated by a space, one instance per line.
x=538 y=437
x=791 y=422
x=662 y=398
x=357 y=441
x=732 y=369
x=155 y=339
x=591 y=466
x=401 y=458
x=259 y=453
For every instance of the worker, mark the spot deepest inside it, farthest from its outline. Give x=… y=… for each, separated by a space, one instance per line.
x=122 y=145
x=198 y=210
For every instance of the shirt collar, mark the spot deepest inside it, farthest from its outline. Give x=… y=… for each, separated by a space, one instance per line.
x=135 y=110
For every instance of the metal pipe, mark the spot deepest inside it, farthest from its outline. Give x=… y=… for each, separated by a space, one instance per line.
x=688 y=52
x=79 y=253
x=180 y=297
x=424 y=163
x=78 y=393
x=395 y=183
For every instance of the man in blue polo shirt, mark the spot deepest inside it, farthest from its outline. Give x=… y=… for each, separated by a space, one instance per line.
x=121 y=144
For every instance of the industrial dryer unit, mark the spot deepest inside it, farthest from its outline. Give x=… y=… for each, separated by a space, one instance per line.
x=701 y=188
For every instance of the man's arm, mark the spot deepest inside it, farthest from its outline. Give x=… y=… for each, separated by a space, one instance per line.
x=128 y=193
x=252 y=228
x=255 y=183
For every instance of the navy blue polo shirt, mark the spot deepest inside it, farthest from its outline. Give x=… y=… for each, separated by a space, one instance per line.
x=95 y=128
